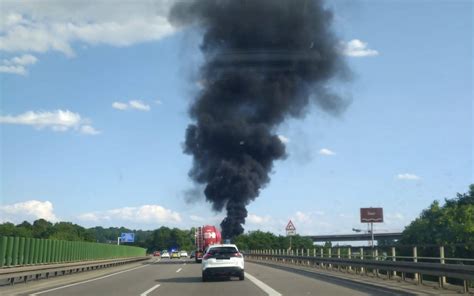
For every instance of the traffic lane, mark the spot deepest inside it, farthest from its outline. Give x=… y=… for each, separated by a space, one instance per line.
x=134 y=281
x=290 y=281
x=62 y=280
x=189 y=282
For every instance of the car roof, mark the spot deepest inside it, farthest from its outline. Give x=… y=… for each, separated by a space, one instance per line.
x=222 y=245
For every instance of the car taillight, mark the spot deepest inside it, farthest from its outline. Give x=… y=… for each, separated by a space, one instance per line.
x=237 y=255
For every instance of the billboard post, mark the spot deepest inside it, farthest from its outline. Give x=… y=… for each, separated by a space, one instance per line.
x=371 y=215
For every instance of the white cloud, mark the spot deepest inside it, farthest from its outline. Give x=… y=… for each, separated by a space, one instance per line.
x=139 y=105
x=119 y=106
x=408 y=176
x=28 y=210
x=283 y=139
x=20 y=70
x=58 y=120
x=18 y=64
x=327 y=152
x=23 y=60
x=259 y=220
x=143 y=214
x=133 y=104
x=358 y=48
x=35 y=26
x=89 y=130
x=158 y=102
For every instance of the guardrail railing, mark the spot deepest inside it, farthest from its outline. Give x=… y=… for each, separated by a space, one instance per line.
x=400 y=267
x=21 y=251
x=36 y=272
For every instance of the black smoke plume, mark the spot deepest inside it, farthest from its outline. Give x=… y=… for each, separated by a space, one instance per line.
x=265 y=60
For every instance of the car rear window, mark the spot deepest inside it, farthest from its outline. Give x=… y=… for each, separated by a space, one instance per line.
x=222 y=250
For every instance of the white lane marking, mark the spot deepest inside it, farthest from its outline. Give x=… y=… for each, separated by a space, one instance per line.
x=88 y=281
x=266 y=288
x=149 y=290
x=178 y=270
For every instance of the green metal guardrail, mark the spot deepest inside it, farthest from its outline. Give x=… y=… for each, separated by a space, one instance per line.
x=19 y=251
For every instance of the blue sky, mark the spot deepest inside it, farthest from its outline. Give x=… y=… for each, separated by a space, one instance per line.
x=94 y=108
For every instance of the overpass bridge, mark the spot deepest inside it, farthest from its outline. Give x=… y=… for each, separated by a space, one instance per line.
x=354 y=237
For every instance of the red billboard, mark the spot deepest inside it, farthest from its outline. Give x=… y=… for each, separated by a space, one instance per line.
x=368 y=215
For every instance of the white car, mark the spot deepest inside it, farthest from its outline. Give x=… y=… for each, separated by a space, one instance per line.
x=165 y=255
x=183 y=254
x=222 y=260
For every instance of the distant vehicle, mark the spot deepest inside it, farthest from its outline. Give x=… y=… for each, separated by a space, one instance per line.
x=192 y=255
x=222 y=260
x=183 y=254
x=175 y=255
x=156 y=253
x=165 y=255
x=204 y=237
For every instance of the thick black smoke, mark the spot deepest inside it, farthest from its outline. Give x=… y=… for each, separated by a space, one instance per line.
x=264 y=61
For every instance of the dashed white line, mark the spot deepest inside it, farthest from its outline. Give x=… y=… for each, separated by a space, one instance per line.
x=266 y=288
x=149 y=290
x=88 y=281
x=178 y=270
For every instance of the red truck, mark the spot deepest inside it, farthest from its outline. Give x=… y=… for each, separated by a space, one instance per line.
x=205 y=236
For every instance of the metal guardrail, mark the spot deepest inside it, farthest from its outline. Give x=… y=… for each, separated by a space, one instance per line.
x=391 y=268
x=25 y=273
x=354 y=237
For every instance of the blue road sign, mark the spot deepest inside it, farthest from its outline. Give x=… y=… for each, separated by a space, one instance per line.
x=127 y=237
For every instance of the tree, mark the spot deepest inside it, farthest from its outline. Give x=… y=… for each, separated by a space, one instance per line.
x=42 y=228
x=451 y=225
x=7 y=229
x=69 y=231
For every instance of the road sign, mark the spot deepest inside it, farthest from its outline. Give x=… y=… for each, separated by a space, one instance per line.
x=290 y=229
x=127 y=237
x=290 y=226
x=371 y=215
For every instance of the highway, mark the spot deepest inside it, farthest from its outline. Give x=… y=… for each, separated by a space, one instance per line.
x=183 y=277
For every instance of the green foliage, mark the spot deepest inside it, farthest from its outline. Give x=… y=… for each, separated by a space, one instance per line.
x=109 y=235
x=70 y=232
x=450 y=224
x=257 y=240
x=166 y=238
x=41 y=228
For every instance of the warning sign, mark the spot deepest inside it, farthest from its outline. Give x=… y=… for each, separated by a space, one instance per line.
x=290 y=229
x=290 y=226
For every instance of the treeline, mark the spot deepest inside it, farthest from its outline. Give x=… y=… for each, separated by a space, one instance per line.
x=258 y=240
x=44 y=229
x=158 y=239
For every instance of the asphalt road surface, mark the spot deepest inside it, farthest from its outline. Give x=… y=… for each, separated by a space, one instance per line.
x=183 y=277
